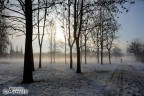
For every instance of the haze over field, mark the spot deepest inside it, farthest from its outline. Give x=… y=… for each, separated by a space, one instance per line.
x=71 y=47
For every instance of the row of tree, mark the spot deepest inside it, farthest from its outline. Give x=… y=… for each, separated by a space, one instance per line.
x=86 y=20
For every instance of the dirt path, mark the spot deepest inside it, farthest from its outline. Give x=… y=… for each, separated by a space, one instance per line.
x=126 y=81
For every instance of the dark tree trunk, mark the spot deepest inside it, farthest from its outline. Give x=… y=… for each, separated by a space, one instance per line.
x=98 y=54
x=102 y=48
x=77 y=36
x=81 y=48
x=102 y=55
x=40 y=56
x=85 y=50
x=77 y=40
x=78 y=56
x=109 y=53
x=102 y=40
x=71 y=60
x=97 y=47
x=32 y=58
x=27 y=75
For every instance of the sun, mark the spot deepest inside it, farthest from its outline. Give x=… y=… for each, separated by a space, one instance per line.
x=59 y=33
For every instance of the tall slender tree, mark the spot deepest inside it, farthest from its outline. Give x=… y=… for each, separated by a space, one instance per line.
x=41 y=36
x=111 y=29
x=77 y=30
x=70 y=38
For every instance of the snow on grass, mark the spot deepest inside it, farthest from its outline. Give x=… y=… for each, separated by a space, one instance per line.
x=58 y=80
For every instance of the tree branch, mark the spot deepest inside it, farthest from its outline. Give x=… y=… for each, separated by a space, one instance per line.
x=52 y=4
x=11 y=16
x=22 y=5
x=14 y=11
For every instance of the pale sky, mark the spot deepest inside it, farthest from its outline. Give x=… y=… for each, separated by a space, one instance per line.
x=132 y=23
x=132 y=28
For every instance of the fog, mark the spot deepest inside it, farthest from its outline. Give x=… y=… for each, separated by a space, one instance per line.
x=61 y=60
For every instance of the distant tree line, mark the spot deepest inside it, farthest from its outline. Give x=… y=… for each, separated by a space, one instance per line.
x=15 y=53
x=136 y=48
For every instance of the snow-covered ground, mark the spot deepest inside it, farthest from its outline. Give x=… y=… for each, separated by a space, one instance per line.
x=126 y=79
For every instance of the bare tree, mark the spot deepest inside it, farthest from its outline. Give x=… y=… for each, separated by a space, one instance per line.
x=52 y=40
x=87 y=29
x=77 y=29
x=70 y=41
x=64 y=26
x=136 y=48
x=101 y=32
x=116 y=52
x=95 y=34
x=41 y=36
x=111 y=29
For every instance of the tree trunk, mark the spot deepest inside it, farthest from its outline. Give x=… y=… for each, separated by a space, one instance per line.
x=71 y=60
x=81 y=48
x=65 y=49
x=51 y=58
x=54 y=52
x=32 y=58
x=109 y=56
x=97 y=48
x=101 y=47
x=98 y=54
x=78 y=56
x=77 y=33
x=51 y=45
x=101 y=30
x=40 y=56
x=41 y=40
x=102 y=55
x=54 y=45
x=27 y=75
x=69 y=39
x=85 y=50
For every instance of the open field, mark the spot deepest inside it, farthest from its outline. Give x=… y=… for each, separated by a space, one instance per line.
x=126 y=79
